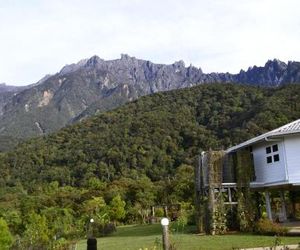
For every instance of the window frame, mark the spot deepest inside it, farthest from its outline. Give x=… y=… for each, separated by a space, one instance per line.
x=272 y=154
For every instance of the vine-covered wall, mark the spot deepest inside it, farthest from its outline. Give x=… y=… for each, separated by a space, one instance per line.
x=214 y=214
x=246 y=210
x=212 y=203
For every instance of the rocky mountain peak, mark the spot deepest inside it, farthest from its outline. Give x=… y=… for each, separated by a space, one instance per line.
x=126 y=57
x=179 y=64
x=7 y=88
x=69 y=68
x=94 y=85
x=275 y=64
x=93 y=61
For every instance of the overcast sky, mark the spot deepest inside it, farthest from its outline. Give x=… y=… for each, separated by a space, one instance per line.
x=39 y=37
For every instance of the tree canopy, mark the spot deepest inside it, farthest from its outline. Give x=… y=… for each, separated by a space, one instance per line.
x=117 y=164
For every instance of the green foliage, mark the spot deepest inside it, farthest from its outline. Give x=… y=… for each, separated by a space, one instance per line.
x=95 y=207
x=6 y=238
x=219 y=221
x=215 y=216
x=143 y=153
x=117 y=208
x=183 y=184
x=61 y=244
x=266 y=227
x=245 y=209
x=179 y=225
x=153 y=135
x=134 y=237
x=215 y=168
x=244 y=171
x=36 y=235
x=159 y=212
x=59 y=221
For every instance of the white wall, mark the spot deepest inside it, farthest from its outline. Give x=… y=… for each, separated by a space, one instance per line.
x=269 y=172
x=292 y=148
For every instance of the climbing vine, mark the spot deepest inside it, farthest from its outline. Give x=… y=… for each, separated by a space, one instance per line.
x=217 y=221
x=215 y=161
x=213 y=209
x=244 y=174
x=219 y=225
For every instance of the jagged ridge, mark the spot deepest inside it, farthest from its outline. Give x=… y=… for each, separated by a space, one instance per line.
x=95 y=85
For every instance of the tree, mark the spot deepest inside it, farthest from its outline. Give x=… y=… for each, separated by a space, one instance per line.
x=94 y=207
x=184 y=183
x=36 y=235
x=117 y=208
x=6 y=238
x=59 y=220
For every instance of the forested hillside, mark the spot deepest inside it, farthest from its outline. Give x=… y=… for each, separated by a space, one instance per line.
x=142 y=153
x=95 y=85
x=153 y=135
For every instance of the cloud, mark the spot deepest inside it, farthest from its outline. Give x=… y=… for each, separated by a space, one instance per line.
x=39 y=37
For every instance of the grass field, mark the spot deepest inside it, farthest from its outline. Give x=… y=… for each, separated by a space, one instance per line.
x=148 y=236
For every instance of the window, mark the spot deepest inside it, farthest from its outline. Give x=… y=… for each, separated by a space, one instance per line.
x=272 y=153
x=275 y=148
x=269 y=159
x=276 y=157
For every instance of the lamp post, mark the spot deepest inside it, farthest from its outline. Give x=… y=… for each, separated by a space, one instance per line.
x=165 y=237
x=91 y=241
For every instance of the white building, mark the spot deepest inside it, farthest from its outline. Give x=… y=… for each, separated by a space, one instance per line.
x=276 y=158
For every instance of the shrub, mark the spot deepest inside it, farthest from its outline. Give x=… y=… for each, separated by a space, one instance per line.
x=62 y=244
x=180 y=224
x=232 y=222
x=159 y=212
x=6 y=238
x=103 y=229
x=266 y=227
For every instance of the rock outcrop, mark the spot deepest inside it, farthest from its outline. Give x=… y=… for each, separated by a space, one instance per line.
x=95 y=85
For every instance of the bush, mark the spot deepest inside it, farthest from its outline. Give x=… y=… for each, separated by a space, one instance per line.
x=6 y=238
x=231 y=219
x=159 y=212
x=266 y=227
x=62 y=244
x=180 y=224
x=103 y=229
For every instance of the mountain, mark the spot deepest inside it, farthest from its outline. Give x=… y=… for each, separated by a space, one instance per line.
x=273 y=74
x=152 y=135
x=7 y=92
x=8 y=88
x=95 y=85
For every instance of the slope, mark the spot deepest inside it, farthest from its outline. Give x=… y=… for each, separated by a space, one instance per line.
x=95 y=85
x=153 y=135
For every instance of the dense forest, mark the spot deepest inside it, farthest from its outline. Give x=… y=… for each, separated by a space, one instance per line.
x=117 y=164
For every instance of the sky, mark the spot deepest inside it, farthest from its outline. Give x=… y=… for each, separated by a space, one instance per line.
x=39 y=37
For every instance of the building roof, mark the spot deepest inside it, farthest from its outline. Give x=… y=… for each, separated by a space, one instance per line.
x=290 y=128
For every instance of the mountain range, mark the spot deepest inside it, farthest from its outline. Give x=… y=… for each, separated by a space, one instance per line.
x=96 y=85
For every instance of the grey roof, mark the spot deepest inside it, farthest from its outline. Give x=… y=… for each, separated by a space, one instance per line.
x=290 y=128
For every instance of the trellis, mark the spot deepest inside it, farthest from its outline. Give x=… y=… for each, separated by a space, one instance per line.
x=214 y=197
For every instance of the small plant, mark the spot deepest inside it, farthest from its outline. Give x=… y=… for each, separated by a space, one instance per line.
x=277 y=241
x=159 y=212
x=62 y=244
x=158 y=243
x=219 y=222
x=267 y=227
x=179 y=225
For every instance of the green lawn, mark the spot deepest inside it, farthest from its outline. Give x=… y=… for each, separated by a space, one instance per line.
x=148 y=236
